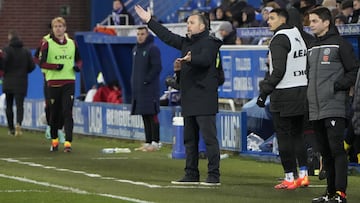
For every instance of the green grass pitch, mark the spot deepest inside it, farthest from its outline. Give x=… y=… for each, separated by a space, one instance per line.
x=30 y=173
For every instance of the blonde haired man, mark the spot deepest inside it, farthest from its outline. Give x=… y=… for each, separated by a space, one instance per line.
x=58 y=55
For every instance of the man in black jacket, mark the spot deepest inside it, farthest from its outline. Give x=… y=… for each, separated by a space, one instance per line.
x=145 y=87
x=332 y=71
x=287 y=86
x=18 y=63
x=198 y=86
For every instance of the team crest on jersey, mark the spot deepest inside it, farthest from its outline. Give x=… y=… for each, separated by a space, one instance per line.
x=325 y=58
x=327 y=51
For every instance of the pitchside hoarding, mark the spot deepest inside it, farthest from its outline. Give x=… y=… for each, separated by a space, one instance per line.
x=112 y=120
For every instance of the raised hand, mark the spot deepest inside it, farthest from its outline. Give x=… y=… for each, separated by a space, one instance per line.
x=145 y=16
x=187 y=57
x=177 y=65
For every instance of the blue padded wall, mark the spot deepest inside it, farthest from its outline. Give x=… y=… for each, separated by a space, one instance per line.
x=112 y=55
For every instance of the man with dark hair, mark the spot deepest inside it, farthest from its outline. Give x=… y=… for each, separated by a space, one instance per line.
x=145 y=85
x=287 y=86
x=18 y=63
x=332 y=71
x=198 y=86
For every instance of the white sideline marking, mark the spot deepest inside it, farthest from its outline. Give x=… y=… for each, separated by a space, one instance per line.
x=21 y=191
x=71 y=189
x=97 y=175
x=111 y=158
x=317 y=186
x=190 y=186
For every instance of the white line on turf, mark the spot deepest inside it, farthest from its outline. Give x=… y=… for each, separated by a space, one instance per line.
x=71 y=189
x=21 y=191
x=111 y=158
x=97 y=175
x=316 y=186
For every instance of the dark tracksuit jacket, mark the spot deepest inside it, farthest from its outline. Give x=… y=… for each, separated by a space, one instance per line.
x=199 y=95
x=332 y=71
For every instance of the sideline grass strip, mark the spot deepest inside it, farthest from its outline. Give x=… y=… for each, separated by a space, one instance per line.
x=243 y=179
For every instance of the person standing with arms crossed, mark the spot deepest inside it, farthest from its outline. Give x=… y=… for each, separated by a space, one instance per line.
x=18 y=63
x=332 y=71
x=287 y=85
x=145 y=83
x=198 y=86
x=57 y=56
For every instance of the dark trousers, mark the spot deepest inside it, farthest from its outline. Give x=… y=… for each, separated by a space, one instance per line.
x=61 y=105
x=330 y=138
x=19 y=101
x=152 y=128
x=207 y=126
x=47 y=107
x=289 y=132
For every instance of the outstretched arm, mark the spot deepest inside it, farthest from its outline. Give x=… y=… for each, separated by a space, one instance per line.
x=162 y=32
x=145 y=15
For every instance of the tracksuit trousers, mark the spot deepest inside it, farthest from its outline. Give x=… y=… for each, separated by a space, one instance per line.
x=289 y=132
x=61 y=104
x=330 y=138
